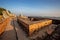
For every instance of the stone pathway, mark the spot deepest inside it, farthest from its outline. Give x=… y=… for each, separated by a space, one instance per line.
x=20 y=33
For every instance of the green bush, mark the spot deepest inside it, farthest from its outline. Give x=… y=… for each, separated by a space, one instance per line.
x=2 y=9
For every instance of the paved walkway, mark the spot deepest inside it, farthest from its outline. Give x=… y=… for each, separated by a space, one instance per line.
x=13 y=32
x=20 y=33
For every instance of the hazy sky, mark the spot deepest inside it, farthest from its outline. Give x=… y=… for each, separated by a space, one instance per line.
x=33 y=7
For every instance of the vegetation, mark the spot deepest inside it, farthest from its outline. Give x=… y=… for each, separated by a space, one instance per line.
x=2 y=9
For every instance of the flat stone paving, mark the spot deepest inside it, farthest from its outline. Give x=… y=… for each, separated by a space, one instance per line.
x=20 y=33
x=10 y=32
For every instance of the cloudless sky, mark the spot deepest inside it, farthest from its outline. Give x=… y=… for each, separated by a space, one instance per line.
x=32 y=7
